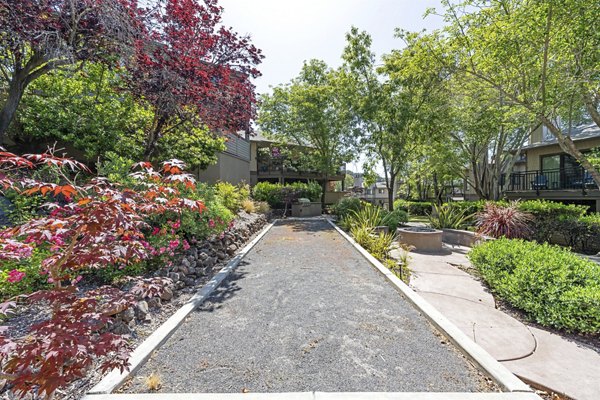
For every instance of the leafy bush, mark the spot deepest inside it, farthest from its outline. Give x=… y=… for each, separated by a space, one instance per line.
x=21 y=209
x=553 y=285
x=367 y=217
x=498 y=221
x=552 y=209
x=446 y=216
x=311 y=190
x=346 y=206
x=394 y=219
x=230 y=196
x=31 y=281
x=473 y=207
x=421 y=208
x=269 y=193
x=262 y=207
x=275 y=194
x=116 y=169
x=248 y=206
x=93 y=225
x=378 y=245
x=564 y=224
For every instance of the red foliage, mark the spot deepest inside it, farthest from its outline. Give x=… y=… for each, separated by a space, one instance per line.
x=98 y=225
x=151 y=287
x=63 y=347
x=194 y=69
x=498 y=221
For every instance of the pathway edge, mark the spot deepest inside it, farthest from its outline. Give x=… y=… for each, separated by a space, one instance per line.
x=506 y=379
x=318 y=396
x=114 y=379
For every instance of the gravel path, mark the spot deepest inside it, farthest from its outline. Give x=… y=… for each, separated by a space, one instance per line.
x=305 y=311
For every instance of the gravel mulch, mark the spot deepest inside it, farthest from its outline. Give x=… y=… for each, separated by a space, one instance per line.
x=25 y=315
x=306 y=312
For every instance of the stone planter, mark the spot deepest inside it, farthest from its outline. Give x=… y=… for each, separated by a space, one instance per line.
x=422 y=239
x=462 y=238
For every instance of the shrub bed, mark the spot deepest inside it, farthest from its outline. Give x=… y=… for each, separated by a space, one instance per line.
x=347 y=206
x=276 y=194
x=552 y=222
x=139 y=220
x=552 y=285
x=420 y=208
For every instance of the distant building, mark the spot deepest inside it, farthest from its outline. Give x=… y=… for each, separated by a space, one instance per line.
x=254 y=159
x=545 y=171
x=376 y=194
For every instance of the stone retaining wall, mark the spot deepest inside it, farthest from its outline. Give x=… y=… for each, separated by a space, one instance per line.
x=193 y=269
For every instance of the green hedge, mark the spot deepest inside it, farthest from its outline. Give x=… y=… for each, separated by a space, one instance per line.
x=553 y=222
x=275 y=193
x=554 y=286
x=394 y=219
x=346 y=206
x=421 y=208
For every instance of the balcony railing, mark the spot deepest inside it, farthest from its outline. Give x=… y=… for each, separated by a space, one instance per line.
x=555 y=179
x=270 y=169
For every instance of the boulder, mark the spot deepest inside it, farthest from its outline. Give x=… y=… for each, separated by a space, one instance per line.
x=154 y=302
x=167 y=294
x=142 y=310
x=127 y=316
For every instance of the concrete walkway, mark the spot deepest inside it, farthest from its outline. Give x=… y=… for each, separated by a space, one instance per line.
x=535 y=355
x=306 y=312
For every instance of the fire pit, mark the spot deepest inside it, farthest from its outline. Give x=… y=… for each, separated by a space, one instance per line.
x=421 y=238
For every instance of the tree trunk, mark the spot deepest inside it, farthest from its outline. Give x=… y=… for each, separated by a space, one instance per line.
x=9 y=109
x=324 y=189
x=593 y=111
x=436 y=189
x=154 y=137
x=391 y=184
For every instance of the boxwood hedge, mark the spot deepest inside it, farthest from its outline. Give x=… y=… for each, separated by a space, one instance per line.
x=554 y=286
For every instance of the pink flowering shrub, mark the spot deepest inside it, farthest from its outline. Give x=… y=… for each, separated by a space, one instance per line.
x=15 y=276
x=91 y=226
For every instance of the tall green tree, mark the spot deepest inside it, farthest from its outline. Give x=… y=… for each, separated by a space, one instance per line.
x=488 y=133
x=542 y=56
x=395 y=105
x=309 y=111
x=89 y=110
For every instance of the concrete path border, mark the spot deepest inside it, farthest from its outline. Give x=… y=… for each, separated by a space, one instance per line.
x=320 y=396
x=114 y=379
x=516 y=389
x=506 y=379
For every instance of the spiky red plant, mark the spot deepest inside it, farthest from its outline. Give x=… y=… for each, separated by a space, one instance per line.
x=503 y=221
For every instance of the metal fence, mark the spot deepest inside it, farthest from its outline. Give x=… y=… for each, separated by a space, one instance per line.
x=555 y=179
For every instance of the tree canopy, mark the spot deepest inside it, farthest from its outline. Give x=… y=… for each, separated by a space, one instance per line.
x=309 y=111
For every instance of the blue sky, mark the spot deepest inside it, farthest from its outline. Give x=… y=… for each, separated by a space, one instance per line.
x=291 y=31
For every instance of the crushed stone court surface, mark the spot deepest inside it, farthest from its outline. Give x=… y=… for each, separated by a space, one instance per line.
x=305 y=311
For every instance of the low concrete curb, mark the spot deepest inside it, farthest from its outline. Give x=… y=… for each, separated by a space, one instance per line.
x=142 y=353
x=483 y=359
x=319 y=396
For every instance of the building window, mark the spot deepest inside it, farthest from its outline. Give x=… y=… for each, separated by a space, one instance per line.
x=547 y=136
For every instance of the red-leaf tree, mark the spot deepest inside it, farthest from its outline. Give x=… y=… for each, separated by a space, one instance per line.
x=94 y=225
x=193 y=69
x=37 y=36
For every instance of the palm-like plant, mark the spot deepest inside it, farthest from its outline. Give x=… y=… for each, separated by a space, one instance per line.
x=446 y=216
x=498 y=221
